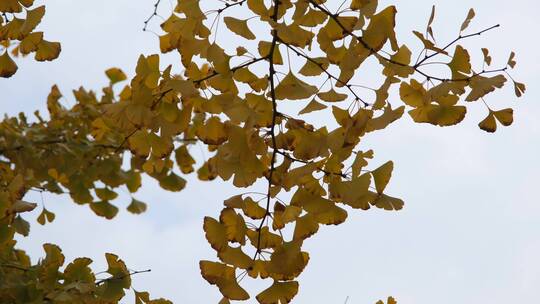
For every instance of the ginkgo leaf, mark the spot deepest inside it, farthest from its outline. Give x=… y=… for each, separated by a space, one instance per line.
x=264 y=238
x=45 y=217
x=428 y=44
x=366 y=7
x=236 y=257
x=400 y=63
x=389 y=203
x=315 y=66
x=390 y=300
x=10 y=6
x=305 y=227
x=115 y=75
x=136 y=207
x=215 y=233
x=489 y=124
x=235 y=226
x=389 y=116
x=461 y=63
x=381 y=29
x=253 y=210
x=468 y=20
x=47 y=51
x=505 y=116
x=224 y=277
x=293 y=88
x=213 y=132
x=104 y=209
x=30 y=43
x=332 y=96
x=287 y=261
x=519 y=88
x=7 y=66
x=172 y=182
x=413 y=94
x=184 y=160
x=481 y=86
x=382 y=176
x=312 y=106
x=33 y=18
x=278 y=293
x=487 y=57
x=264 y=51
x=511 y=60
x=239 y=27
x=21 y=226
x=106 y=194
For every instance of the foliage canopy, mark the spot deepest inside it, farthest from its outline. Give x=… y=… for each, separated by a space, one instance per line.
x=233 y=104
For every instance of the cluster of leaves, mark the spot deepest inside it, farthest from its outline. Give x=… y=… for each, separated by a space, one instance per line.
x=18 y=33
x=235 y=104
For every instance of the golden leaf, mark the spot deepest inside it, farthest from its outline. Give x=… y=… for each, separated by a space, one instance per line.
x=278 y=293
x=239 y=27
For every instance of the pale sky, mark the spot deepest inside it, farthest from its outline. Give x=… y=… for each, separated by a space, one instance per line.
x=470 y=229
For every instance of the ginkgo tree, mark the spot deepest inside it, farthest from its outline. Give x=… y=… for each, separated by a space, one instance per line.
x=235 y=103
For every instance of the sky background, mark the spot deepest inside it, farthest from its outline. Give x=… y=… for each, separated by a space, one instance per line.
x=470 y=229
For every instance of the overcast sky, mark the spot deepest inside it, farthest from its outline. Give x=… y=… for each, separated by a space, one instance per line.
x=470 y=229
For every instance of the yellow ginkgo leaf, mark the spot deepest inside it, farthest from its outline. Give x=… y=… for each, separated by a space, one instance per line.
x=505 y=116
x=215 y=233
x=487 y=57
x=264 y=51
x=258 y=7
x=481 y=86
x=293 y=88
x=45 y=217
x=389 y=116
x=30 y=43
x=389 y=203
x=239 y=27
x=315 y=66
x=401 y=68
x=184 y=160
x=312 y=106
x=136 y=207
x=212 y=132
x=278 y=293
x=10 y=6
x=310 y=19
x=115 y=75
x=519 y=88
x=468 y=20
x=235 y=226
x=33 y=18
x=413 y=94
x=305 y=227
x=252 y=209
x=461 y=63
x=489 y=124
x=428 y=45
x=367 y=7
x=390 y=300
x=287 y=261
x=264 y=238
x=511 y=60
x=382 y=176
x=235 y=257
x=332 y=96
x=225 y=278
x=381 y=29
x=7 y=66
x=47 y=51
